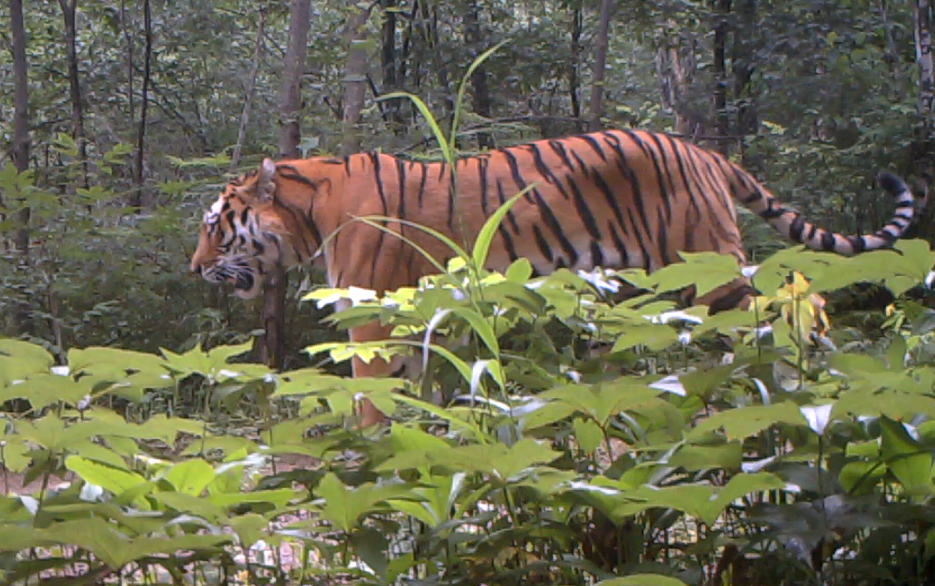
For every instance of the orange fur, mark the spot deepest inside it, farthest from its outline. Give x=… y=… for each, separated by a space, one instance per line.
x=614 y=199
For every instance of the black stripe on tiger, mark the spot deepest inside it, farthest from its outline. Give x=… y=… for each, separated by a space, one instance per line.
x=558 y=147
x=378 y=178
x=545 y=170
x=516 y=175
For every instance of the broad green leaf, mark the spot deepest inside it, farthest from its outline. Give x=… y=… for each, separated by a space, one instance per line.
x=114 y=480
x=906 y=459
x=747 y=421
x=42 y=390
x=191 y=504
x=705 y=270
x=372 y=546
x=250 y=528
x=20 y=359
x=588 y=434
x=692 y=457
x=655 y=337
x=190 y=476
x=344 y=506
x=407 y=439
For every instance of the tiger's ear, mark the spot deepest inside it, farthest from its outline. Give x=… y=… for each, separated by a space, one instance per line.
x=264 y=182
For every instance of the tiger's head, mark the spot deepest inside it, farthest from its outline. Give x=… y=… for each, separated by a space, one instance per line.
x=246 y=233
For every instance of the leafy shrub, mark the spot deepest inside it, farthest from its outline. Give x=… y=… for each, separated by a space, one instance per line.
x=651 y=459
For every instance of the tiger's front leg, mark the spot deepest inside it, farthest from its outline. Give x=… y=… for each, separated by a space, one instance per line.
x=373 y=332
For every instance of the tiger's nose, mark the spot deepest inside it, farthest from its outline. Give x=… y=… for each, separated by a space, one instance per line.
x=196 y=268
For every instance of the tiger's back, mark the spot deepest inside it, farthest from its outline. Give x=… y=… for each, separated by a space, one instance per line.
x=616 y=199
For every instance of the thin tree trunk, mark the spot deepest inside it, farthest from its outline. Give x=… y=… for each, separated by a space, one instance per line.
x=428 y=26
x=924 y=59
x=600 y=60
x=290 y=102
x=479 y=76
x=128 y=36
x=673 y=75
x=574 y=79
x=136 y=200
x=891 y=56
x=250 y=92
x=407 y=45
x=391 y=66
x=69 y=11
x=722 y=9
x=20 y=117
x=355 y=79
x=922 y=152
x=20 y=138
x=743 y=50
x=273 y=343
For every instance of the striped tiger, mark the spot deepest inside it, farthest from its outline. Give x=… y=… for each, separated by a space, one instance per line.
x=615 y=199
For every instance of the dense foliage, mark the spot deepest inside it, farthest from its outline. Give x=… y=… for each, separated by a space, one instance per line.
x=568 y=439
x=551 y=464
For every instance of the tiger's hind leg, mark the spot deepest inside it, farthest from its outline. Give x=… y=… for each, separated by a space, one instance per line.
x=373 y=332
x=738 y=294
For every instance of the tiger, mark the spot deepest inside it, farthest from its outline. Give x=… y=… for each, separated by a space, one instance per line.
x=613 y=199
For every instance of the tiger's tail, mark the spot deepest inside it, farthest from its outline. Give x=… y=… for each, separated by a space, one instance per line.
x=794 y=226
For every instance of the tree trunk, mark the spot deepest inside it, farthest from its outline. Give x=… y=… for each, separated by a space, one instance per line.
x=674 y=66
x=20 y=139
x=428 y=27
x=922 y=151
x=69 y=10
x=721 y=10
x=600 y=60
x=290 y=102
x=479 y=86
x=20 y=118
x=392 y=70
x=128 y=29
x=250 y=92
x=923 y=38
x=136 y=200
x=743 y=51
x=355 y=79
x=892 y=57
x=574 y=80
x=273 y=343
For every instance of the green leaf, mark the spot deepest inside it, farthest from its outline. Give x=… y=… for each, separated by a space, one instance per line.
x=423 y=109
x=344 y=506
x=190 y=476
x=114 y=480
x=705 y=270
x=588 y=433
x=372 y=545
x=747 y=421
x=906 y=459
x=728 y=456
x=19 y=359
x=481 y=327
x=193 y=505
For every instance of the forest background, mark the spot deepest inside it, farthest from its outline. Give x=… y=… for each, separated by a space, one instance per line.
x=132 y=114
x=132 y=446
